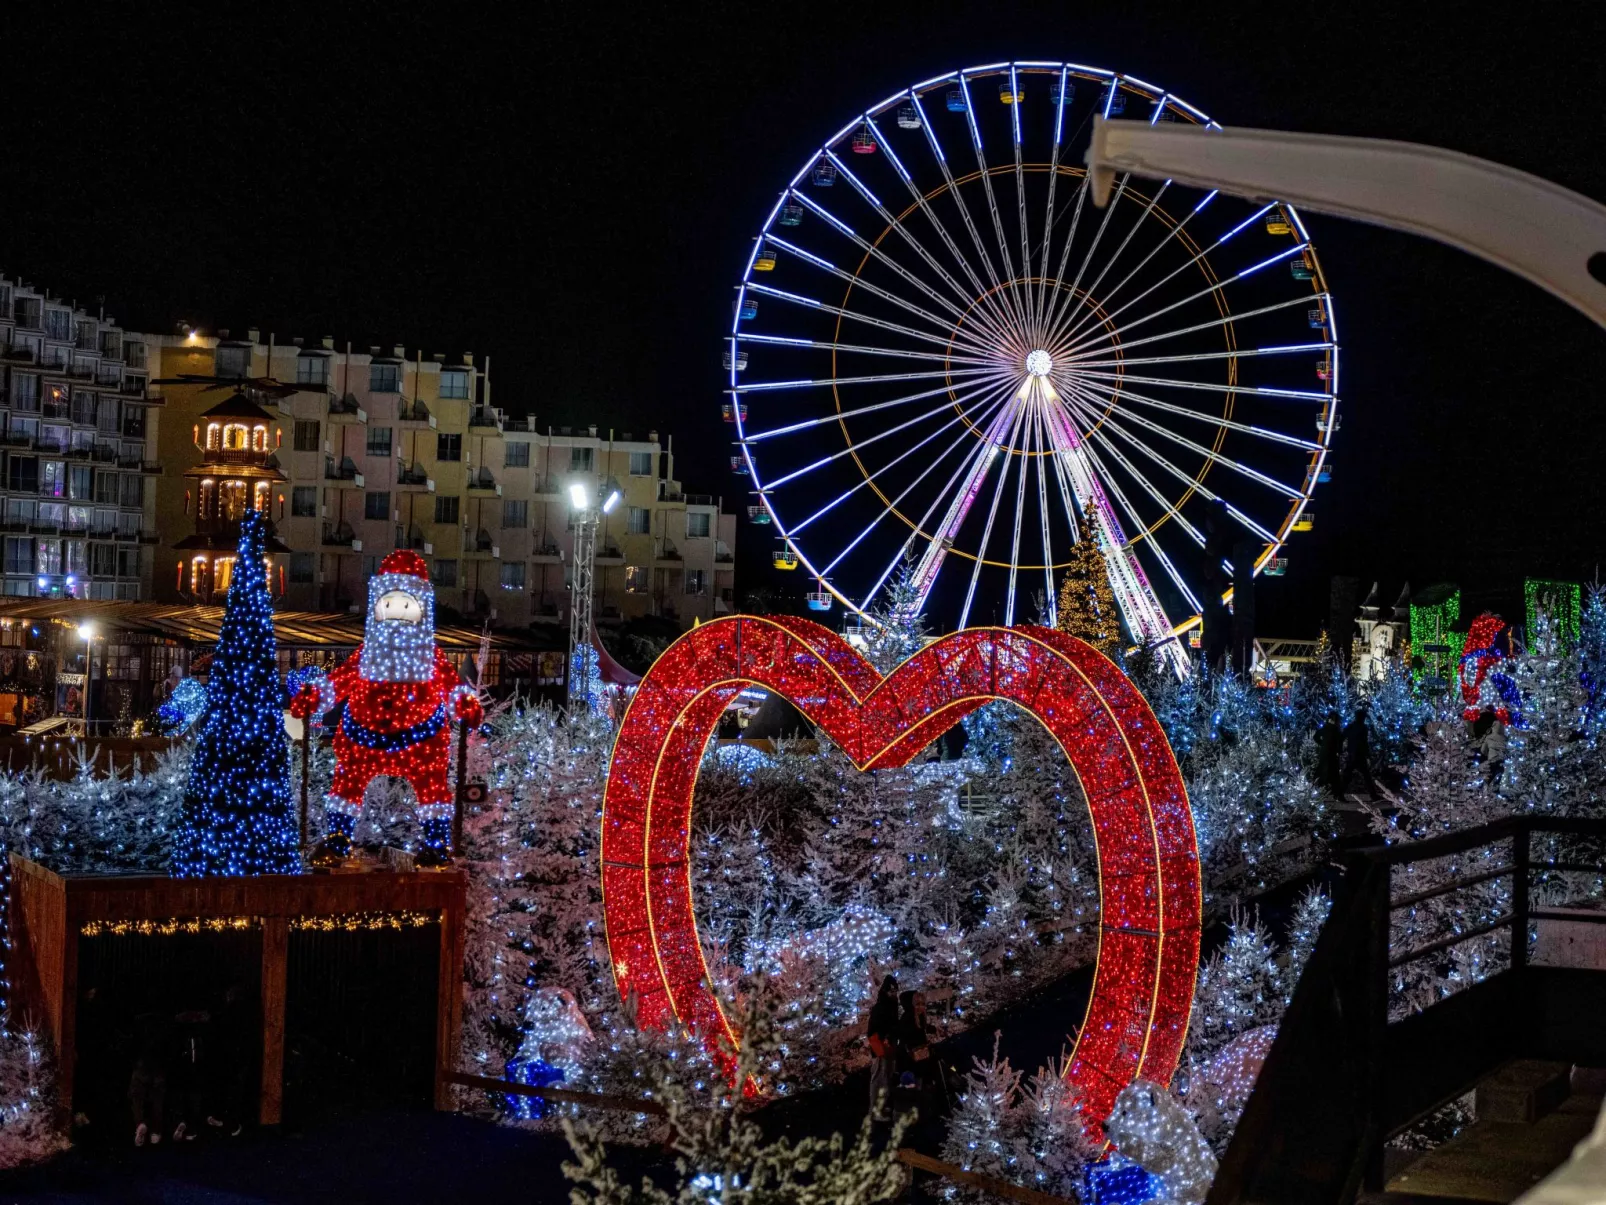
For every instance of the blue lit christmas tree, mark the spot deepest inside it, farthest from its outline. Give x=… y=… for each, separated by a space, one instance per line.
x=238 y=817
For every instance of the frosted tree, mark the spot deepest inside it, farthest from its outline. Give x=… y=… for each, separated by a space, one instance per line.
x=28 y=1132
x=986 y=1124
x=1240 y=988
x=722 y=1155
x=898 y=628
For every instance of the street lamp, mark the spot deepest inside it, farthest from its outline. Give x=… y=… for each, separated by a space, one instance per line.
x=583 y=658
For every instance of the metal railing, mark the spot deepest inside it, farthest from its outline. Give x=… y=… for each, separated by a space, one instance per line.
x=1380 y=1076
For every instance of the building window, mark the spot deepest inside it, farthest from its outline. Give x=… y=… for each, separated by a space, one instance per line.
x=222 y=574
x=454 y=383
x=24 y=391
x=635 y=579
x=107 y=418
x=128 y=562
x=134 y=353
x=376 y=505
x=513 y=575
x=515 y=512
x=107 y=489
x=580 y=460
x=133 y=490
x=22 y=474
x=304 y=502
x=103 y=560
x=83 y=408
x=448 y=447
x=446 y=572
x=516 y=455
x=696 y=581
x=306 y=436
x=639 y=521
x=80 y=482
x=641 y=464
x=384 y=378
x=697 y=523
x=379 y=441
x=233 y=362
x=49 y=559
x=301 y=566
x=312 y=370
x=446 y=509
x=58 y=326
x=19 y=554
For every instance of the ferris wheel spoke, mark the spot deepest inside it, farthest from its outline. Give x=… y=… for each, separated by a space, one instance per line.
x=1140 y=606
x=1040 y=304
x=970 y=468
x=987 y=532
x=1025 y=302
x=1028 y=426
x=837 y=416
x=1242 y=354
x=1051 y=601
x=852 y=316
x=874 y=379
x=1225 y=320
x=866 y=350
x=998 y=400
x=1109 y=395
x=992 y=204
x=1209 y=454
x=1189 y=481
x=988 y=302
x=1068 y=318
x=1302 y=395
x=860 y=446
x=1213 y=287
x=1058 y=312
x=1110 y=483
x=881 y=256
x=858 y=282
x=1173 y=232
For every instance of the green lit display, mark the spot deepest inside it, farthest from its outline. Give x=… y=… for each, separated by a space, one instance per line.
x=1435 y=645
x=1562 y=603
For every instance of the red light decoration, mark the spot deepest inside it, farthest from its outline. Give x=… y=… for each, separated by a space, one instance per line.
x=1148 y=859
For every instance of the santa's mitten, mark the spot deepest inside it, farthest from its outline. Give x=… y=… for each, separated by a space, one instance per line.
x=312 y=694
x=466 y=706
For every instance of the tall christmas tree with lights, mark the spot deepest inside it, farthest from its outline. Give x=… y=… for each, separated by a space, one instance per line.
x=1086 y=602
x=238 y=817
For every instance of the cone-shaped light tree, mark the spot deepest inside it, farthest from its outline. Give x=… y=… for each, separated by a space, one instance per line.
x=238 y=817
x=1086 y=602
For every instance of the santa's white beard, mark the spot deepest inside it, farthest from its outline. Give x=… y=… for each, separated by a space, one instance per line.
x=397 y=652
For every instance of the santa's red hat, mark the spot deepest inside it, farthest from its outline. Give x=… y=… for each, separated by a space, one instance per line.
x=405 y=560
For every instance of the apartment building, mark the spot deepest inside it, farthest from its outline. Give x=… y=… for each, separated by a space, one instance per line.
x=358 y=453
x=78 y=421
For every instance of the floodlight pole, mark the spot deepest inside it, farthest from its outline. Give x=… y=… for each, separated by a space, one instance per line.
x=1544 y=233
x=582 y=654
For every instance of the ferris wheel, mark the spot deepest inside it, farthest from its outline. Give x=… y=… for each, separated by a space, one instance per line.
x=946 y=364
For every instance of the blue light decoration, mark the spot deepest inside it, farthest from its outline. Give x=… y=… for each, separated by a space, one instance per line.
x=1119 y=1181
x=534 y=1073
x=238 y=817
x=183 y=707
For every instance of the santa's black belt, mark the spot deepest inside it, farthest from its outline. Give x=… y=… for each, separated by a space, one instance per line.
x=389 y=742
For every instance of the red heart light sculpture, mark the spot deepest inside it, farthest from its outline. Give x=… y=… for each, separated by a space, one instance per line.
x=1143 y=829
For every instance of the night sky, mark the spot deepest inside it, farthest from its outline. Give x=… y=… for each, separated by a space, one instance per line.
x=574 y=192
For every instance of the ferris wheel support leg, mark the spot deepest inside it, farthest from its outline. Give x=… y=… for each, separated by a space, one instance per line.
x=1548 y=235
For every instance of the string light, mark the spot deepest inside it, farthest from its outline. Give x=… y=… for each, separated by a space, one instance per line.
x=396 y=696
x=349 y=922
x=183 y=707
x=1148 y=859
x=364 y=922
x=238 y=818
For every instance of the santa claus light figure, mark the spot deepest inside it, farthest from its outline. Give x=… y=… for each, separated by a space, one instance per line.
x=397 y=696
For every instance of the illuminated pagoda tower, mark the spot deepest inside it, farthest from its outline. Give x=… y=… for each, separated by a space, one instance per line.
x=238 y=472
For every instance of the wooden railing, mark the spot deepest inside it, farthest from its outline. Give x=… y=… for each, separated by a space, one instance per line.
x=1340 y=1078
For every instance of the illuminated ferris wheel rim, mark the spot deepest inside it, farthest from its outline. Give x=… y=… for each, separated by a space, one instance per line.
x=1047 y=346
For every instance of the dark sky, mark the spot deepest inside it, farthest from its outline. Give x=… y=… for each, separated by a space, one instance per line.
x=574 y=192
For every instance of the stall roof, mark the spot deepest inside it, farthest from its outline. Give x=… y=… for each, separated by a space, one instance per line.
x=199 y=625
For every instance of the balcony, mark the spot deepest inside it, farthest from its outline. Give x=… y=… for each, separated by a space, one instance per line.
x=133 y=387
x=135 y=429
x=417 y=542
x=151 y=468
x=547 y=553
x=414 y=414
x=346 y=410
x=548 y=490
x=342 y=475
x=480 y=481
x=669 y=558
x=484 y=416
x=247 y=457
x=413 y=479
x=545 y=610
x=609 y=554
x=341 y=536
x=481 y=548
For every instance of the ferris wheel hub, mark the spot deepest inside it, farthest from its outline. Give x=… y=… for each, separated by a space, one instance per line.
x=1039 y=363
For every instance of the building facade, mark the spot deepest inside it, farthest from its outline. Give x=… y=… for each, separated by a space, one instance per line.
x=362 y=453
x=78 y=423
